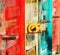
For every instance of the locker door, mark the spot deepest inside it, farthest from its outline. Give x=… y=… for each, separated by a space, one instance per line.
x=45 y=13
x=13 y=37
x=56 y=28
x=31 y=17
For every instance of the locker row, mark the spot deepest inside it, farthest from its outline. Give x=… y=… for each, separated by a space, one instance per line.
x=42 y=34
x=29 y=27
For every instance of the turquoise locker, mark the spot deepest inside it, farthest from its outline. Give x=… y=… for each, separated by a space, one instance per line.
x=45 y=8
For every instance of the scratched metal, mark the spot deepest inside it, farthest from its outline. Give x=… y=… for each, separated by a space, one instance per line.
x=45 y=8
x=56 y=28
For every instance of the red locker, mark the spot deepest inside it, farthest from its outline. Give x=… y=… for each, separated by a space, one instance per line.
x=56 y=27
x=12 y=27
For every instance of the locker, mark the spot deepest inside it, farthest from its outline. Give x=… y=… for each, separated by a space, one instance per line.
x=45 y=13
x=56 y=30
x=12 y=27
x=31 y=17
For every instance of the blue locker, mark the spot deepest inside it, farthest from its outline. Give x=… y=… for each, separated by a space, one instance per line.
x=45 y=13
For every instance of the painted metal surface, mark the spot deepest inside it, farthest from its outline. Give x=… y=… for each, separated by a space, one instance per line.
x=45 y=8
x=56 y=27
x=11 y=26
x=31 y=17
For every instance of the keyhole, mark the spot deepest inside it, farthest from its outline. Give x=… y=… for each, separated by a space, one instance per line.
x=33 y=28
